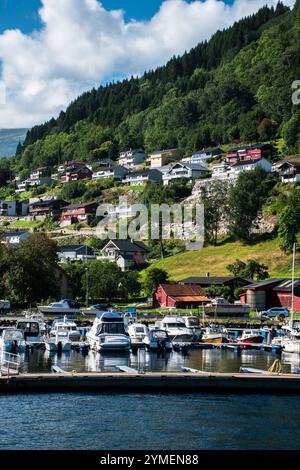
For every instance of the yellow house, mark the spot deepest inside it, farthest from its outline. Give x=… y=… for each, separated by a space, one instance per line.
x=163 y=157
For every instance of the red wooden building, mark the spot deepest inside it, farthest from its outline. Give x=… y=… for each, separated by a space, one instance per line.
x=78 y=213
x=179 y=296
x=76 y=172
x=254 y=152
x=272 y=293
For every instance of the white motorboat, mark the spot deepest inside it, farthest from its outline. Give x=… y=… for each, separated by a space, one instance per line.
x=39 y=317
x=177 y=330
x=12 y=341
x=291 y=341
x=60 y=342
x=137 y=332
x=67 y=325
x=214 y=334
x=32 y=332
x=193 y=324
x=158 y=340
x=108 y=333
x=220 y=307
x=64 y=307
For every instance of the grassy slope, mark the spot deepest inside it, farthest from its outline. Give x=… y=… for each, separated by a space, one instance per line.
x=215 y=259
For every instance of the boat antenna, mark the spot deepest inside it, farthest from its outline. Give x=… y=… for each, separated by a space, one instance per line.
x=293 y=284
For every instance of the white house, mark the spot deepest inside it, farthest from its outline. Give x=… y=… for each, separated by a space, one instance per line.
x=222 y=171
x=187 y=171
x=75 y=253
x=117 y=172
x=132 y=158
x=205 y=154
x=142 y=177
x=33 y=183
x=288 y=170
x=248 y=165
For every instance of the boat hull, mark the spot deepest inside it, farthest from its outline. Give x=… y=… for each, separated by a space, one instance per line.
x=253 y=340
x=215 y=340
x=58 y=311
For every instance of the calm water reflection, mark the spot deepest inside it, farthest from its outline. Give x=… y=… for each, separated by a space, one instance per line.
x=207 y=360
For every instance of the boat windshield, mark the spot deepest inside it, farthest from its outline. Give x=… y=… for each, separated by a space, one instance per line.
x=29 y=328
x=13 y=334
x=158 y=335
x=174 y=325
x=111 y=329
x=139 y=329
x=193 y=321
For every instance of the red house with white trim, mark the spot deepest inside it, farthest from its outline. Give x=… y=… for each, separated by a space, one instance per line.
x=78 y=213
x=76 y=172
x=254 y=152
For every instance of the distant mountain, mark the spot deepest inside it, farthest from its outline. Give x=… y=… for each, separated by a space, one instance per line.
x=9 y=139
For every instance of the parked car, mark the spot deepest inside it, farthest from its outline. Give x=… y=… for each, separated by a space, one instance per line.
x=280 y=312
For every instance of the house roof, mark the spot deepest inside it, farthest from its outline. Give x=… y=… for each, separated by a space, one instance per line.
x=160 y=152
x=138 y=173
x=183 y=291
x=47 y=203
x=16 y=234
x=130 y=246
x=208 y=150
x=191 y=166
x=79 y=206
x=262 y=284
x=289 y=162
x=212 y=280
x=67 y=248
x=287 y=285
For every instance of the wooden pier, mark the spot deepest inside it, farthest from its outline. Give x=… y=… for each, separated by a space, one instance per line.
x=151 y=382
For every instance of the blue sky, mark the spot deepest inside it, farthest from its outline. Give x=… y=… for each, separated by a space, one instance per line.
x=51 y=51
x=25 y=16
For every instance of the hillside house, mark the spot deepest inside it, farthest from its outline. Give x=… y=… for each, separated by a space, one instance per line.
x=117 y=172
x=51 y=207
x=188 y=171
x=216 y=281
x=142 y=177
x=13 y=208
x=254 y=152
x=204 y=154
x=248 y=165
x=14 y=239
x=75 y=172
x=78 y=213
x=289 y=171
x=179 y=296
x=126 y=254
x=132 y=158
x=75 y=253
x=164 y=157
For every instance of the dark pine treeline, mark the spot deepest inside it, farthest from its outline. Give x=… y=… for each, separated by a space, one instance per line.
x=110 y=105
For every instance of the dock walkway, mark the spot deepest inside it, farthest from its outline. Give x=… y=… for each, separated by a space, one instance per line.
x=157 y=382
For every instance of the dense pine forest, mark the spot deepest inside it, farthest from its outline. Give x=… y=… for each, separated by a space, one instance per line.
x=236 y=87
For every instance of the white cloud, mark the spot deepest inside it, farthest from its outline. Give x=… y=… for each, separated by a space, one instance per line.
x=81 y=44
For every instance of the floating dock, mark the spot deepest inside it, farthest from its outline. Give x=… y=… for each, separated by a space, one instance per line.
x=151 y=382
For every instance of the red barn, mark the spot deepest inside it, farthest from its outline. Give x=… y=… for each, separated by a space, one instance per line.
x=272 y=293
x=179 y=296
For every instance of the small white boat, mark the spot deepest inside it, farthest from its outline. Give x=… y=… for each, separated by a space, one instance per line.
x=251 y=337
x=32 y=333
x=158 y=340
x=12 y=341
x=137 y=332
x=39 y=317
x=291 y=342
x=108 y=333
x=58 y=343
x=66 y=325
x=64 y=307
x=177 y=330
x=214 y=334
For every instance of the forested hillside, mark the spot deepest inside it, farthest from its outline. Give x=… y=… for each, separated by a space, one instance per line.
x=234 y=88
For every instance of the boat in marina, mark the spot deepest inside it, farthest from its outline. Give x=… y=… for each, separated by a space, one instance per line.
x=67 y=325
x=137 y=332
x=12 y=341
x=64 y=307
x=177 y=331
x=32 y=332
x=108 y=333
x=59 y=342
x=39 y=317
x=158 y=340
x=220 y=307
x=214 y=334
x=193 y=323
x=251 y=337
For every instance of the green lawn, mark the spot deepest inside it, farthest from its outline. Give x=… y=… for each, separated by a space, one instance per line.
x=25 y=224
x=215 y=260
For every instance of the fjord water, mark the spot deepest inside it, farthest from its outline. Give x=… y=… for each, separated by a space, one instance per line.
x=99 y=421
